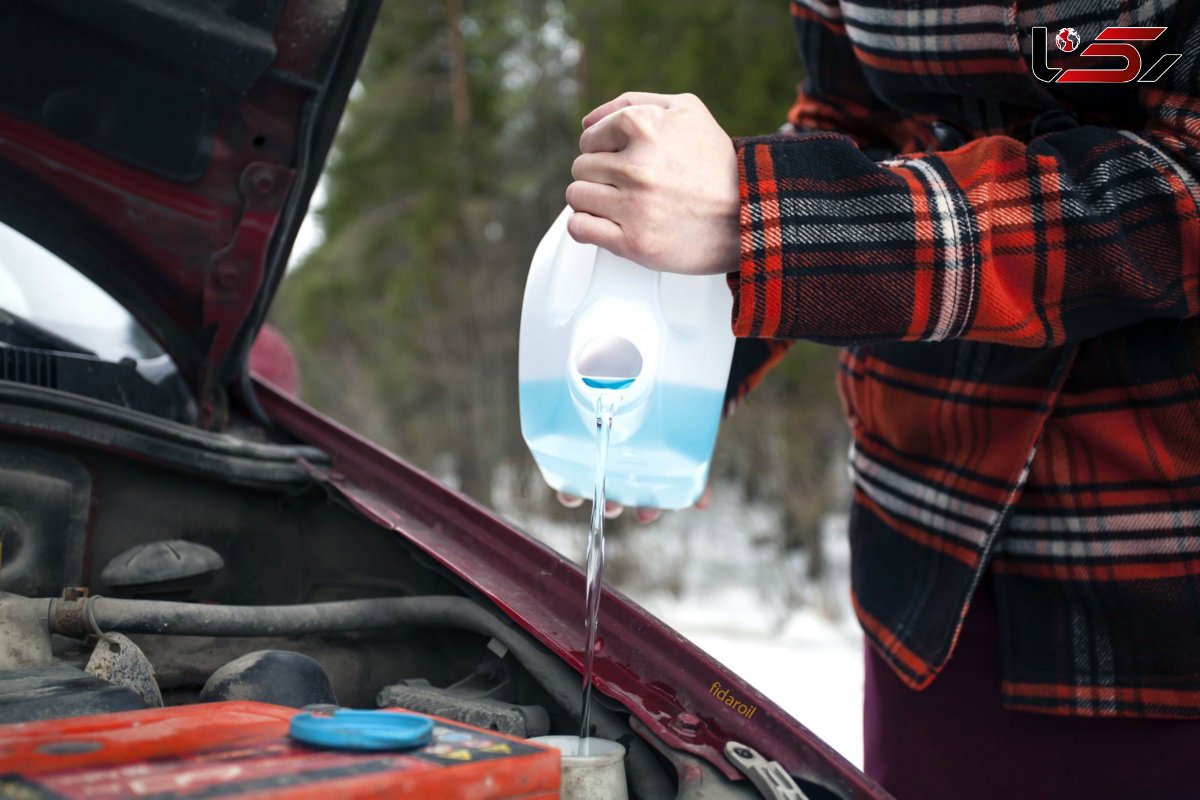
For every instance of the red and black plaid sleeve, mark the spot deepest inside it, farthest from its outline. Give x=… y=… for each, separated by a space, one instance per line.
x=1022 y=382
x=834 y=96
x=1031 y=244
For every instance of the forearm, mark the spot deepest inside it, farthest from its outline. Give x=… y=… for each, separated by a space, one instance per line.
x=1076 y=233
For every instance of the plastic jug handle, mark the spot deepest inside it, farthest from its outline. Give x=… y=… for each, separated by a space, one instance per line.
x=616 y=276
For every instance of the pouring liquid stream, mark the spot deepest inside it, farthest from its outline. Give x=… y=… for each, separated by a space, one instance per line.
x=606 y=404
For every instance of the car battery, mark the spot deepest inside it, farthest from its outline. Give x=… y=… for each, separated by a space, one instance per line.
x=242 y=750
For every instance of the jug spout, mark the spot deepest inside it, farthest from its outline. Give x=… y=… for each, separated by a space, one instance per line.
x=609 y=362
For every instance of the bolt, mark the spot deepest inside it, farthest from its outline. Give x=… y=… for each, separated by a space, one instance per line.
x=226 y=275
x=259 y=179
x=686 y=724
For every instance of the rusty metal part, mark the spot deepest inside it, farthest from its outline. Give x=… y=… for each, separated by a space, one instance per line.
x=118 y=660
x=68 y=614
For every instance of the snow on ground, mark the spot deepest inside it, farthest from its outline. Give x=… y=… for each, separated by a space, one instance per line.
x=710 y=576
x=812 y=668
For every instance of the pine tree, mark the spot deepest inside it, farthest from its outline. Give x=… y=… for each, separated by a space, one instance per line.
x=452 y=162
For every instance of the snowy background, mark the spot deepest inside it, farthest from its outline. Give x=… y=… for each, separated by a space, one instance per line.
x=708 y=575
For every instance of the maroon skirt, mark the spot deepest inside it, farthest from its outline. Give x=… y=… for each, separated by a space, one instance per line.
x=953 y=741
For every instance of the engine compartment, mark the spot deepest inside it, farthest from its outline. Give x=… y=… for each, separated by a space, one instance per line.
x=65 y=516
x=145 y=563
x=70 y=517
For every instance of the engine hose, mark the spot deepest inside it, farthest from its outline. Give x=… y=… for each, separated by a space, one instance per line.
x=197 y=619
x=101 y=614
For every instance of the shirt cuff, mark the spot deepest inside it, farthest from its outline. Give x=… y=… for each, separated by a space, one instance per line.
x=808 y=228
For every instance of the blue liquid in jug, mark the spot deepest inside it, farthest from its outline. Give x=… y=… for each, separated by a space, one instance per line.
x=663 y=465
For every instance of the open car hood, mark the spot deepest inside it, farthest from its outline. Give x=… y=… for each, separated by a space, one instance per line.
x=168 y=150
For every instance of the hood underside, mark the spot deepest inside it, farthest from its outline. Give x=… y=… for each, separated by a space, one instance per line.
x=168 y=149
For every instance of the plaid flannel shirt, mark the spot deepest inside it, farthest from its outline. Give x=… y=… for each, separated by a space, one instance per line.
x=1020 y=315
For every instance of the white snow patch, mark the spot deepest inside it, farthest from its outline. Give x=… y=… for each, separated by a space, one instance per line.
x=709 y=575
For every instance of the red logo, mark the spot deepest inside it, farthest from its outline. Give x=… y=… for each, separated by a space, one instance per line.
x=1111 y=43
x=1067 y=40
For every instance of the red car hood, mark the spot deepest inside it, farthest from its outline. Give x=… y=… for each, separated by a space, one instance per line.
x=168 y=149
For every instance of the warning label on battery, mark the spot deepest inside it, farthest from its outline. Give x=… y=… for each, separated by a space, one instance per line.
x=454 y=745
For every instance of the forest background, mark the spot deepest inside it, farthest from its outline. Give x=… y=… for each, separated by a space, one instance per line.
x=451 y=163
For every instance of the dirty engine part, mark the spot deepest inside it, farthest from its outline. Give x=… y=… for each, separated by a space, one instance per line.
x=271 y=676
x=59 y=691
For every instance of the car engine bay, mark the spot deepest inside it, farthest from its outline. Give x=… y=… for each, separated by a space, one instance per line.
x=124 y=585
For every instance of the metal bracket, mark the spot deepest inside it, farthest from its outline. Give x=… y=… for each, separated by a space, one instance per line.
x=264 y=188
x=771 y=779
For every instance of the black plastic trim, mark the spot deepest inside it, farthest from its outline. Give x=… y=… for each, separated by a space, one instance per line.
x=47 y=413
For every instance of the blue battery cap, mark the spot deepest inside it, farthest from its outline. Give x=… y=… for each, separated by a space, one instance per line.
x=346 y=729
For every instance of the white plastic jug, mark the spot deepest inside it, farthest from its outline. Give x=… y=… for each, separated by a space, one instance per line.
x=590 y=322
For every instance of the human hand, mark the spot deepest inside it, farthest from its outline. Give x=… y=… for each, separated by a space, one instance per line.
x=657 y=183
x=643 y=515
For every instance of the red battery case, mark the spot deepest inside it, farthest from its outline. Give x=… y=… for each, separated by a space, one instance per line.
x=242 y=750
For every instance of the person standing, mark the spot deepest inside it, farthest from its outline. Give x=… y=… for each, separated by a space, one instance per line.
x=1013 y=268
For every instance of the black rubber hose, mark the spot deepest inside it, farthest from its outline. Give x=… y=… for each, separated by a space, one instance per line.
x=197 y=619
x=194 y=619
